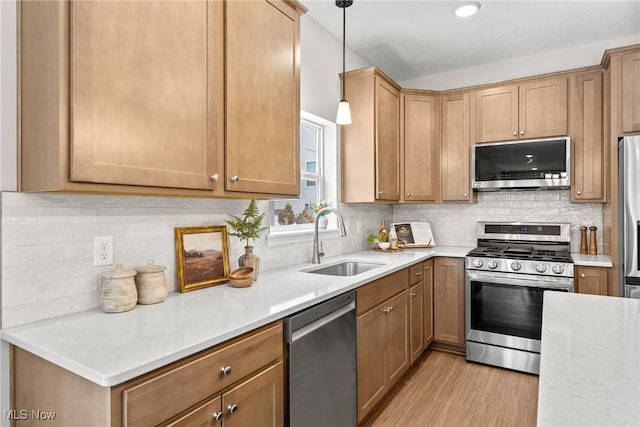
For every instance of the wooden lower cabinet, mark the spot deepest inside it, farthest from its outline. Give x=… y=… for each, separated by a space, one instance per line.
x=428 y=302
x=592 y=280
x=417 y=321
x=448 y=300
x=191 y=391
x=383 y=335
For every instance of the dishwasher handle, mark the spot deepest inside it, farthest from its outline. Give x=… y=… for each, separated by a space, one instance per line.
x=307 y=329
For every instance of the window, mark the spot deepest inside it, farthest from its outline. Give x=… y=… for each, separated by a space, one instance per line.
x=317 y=143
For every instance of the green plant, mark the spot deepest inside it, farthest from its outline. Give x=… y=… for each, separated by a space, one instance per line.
x=249 y=226
x=372 y=238
x=316 y=207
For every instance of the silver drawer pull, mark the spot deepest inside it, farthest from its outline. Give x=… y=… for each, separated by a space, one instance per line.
x=233 y=408
x=226 y=370
x=217 y=416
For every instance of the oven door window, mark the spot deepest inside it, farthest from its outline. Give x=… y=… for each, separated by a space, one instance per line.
x=507 y=309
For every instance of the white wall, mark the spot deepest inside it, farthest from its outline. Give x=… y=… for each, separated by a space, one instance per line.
x=552 y=61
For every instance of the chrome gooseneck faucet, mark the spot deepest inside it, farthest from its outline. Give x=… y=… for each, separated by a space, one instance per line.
x=342 y=231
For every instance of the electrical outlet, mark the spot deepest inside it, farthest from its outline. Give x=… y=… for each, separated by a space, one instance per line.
x=102 y=250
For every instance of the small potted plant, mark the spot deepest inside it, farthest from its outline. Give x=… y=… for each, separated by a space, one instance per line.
x=248 y=228
x=323 y=222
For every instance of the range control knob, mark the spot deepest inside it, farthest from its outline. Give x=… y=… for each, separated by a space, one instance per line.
x=477 y=263
x=541 y=268
x=515 y=266
x=492 y=265
x=558 y=269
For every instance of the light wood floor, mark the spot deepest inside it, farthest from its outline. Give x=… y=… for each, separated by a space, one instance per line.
x=443 y=389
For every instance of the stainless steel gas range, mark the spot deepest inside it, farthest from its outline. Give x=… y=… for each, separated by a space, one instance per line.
x=506 y=277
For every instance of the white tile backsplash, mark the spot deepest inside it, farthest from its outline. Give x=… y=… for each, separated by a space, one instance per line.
x=47 y=239
x=455 y=224
x=47 y=244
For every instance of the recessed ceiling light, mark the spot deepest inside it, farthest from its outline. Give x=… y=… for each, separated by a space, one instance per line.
x=467 y=9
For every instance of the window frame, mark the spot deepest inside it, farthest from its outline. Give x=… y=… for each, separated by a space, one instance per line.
x=326 y=142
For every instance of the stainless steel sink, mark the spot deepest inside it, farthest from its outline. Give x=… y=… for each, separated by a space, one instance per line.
x=346 y=268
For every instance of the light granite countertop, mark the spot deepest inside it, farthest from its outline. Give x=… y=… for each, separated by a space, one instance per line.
x=581 y=260
x=590 y=361
x=109 y=349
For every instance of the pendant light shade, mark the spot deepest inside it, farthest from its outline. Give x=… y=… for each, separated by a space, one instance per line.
x=344 y=112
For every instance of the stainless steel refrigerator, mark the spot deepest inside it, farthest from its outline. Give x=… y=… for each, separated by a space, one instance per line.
x=629 y=199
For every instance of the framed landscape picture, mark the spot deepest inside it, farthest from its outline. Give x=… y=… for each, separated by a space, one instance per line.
x=202 y=255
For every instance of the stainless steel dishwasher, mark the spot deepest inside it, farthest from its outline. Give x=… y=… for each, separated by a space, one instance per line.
x=322 y=364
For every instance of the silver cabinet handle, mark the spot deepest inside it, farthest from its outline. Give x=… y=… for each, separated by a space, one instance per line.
x=235 y=178
x=386 y=310
x=217 y=416
x=408 y=194
x=521 y=132
x=215 y=177
x=582 y=275
x=233 y=408
x=225 y=370
x=413 y=294
x=515 y=134
x=578 y=192
x=428 y=267
x=465 y=195
x=379 y=193
x=418 y=273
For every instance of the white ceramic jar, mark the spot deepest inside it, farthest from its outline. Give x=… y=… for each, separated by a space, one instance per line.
x=118 y=291
x=151 y=284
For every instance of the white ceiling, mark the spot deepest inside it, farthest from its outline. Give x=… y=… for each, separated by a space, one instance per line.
x=409 y=39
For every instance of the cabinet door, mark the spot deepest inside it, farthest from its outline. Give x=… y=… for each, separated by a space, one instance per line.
x=208 y=414
x=143 y=109
x=455 y=150
x=448 y=300
x=587 y=138
x=258 y=401
x=396 y=334
x=496 y=114
x=543 y=108
x=387 y=138
x=421 y=148
x=416 y=322
x=262 y=97
x=428 y=302
x=631 y=92
x=371 y=359
x=592 y=280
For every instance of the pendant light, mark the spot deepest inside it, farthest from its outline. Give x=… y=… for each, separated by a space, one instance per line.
x=344 y=112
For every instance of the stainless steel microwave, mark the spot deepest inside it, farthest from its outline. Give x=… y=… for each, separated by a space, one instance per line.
x=528 y=164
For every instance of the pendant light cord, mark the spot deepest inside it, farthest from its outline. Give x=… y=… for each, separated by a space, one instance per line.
x=344 y=36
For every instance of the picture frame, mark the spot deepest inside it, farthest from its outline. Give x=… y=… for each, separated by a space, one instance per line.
x=202 y=256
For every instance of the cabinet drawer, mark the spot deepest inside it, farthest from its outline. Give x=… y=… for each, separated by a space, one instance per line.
x=160 y=396
x=382 y=289
x=415 y=274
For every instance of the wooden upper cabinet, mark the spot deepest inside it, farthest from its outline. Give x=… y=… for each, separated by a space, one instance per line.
x=533 y=109
x=371 y=143
x=496 y=117
x=387 y=140
x=455 y=149
x=262 y=68
x=631 y=92
x=587 y=137
x=421 y=123
x=140 y=106
x=108 y=105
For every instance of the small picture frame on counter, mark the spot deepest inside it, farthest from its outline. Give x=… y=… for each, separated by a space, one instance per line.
x=202 y=256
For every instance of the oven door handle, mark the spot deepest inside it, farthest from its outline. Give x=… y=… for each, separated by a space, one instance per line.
x=564 y=284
